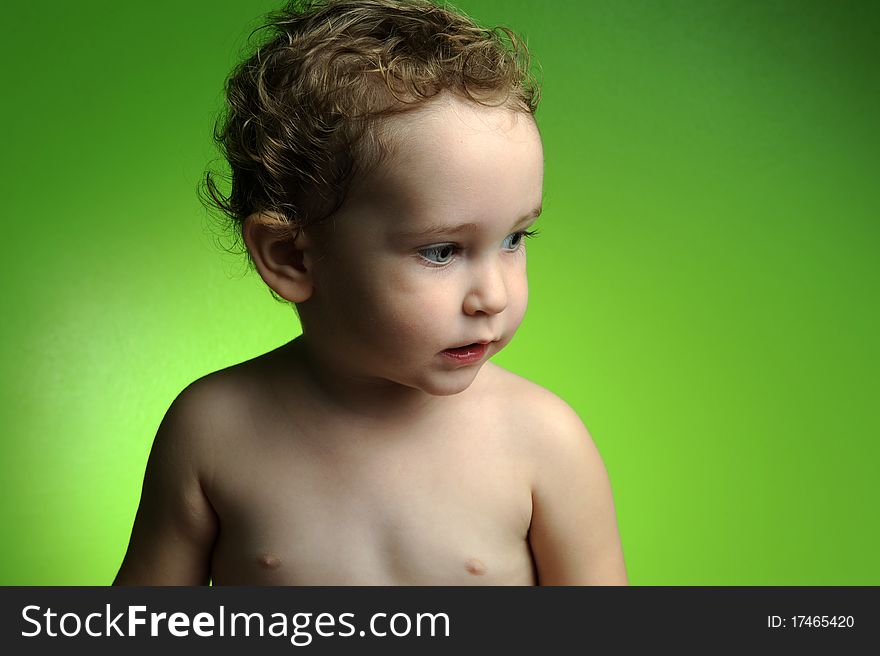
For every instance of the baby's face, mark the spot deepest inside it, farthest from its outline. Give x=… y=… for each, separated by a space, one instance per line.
x=424 y=273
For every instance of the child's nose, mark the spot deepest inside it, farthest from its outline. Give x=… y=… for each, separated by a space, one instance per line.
x=488 y=291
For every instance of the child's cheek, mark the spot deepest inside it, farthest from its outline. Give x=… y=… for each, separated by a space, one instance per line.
x=518 y=304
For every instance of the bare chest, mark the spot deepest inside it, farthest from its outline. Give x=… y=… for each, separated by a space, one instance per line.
x=452 y=509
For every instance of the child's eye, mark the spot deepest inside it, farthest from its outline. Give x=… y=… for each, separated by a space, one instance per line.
x=439 y=254
x=514 y=241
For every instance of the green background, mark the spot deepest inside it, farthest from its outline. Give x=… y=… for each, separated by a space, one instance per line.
x=704 y=290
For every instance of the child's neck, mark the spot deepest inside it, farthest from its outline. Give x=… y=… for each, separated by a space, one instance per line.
x=360 y=397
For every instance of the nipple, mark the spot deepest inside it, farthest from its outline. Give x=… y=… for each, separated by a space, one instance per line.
x=475 y=567
x=269 y=561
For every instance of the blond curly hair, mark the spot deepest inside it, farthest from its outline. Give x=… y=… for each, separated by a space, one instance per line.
x=306 y=111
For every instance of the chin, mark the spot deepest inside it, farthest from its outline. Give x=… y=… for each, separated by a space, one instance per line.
x=451 y=382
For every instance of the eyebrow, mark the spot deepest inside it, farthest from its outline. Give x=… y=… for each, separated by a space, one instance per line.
x=438 y=230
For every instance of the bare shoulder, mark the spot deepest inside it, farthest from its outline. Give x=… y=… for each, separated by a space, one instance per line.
x=176 y=522
x=573 y=534
x=209 y=403
x=220 y=401
x=543 y=418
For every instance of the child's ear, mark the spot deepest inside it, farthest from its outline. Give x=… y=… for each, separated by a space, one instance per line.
x=283 y=263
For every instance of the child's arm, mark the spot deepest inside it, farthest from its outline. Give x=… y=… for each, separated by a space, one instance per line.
x=573 y=536
x=175 y=526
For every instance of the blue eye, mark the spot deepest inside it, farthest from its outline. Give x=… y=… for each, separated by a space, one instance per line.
x=440 y=254
x=513 y=241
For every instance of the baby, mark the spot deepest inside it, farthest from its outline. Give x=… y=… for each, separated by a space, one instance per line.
x=386 y=173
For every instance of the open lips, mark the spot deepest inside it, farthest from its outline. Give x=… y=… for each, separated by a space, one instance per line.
x=467 y=354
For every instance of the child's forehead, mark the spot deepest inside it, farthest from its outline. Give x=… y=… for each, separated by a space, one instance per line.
x=448 y=121
x=459 y=160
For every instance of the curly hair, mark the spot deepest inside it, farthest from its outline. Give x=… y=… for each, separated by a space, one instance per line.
x=305 y=112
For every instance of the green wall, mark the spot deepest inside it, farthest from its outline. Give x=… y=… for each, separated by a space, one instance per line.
x=704 y=290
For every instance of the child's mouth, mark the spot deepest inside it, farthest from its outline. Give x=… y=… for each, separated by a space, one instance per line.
x=466 y=354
